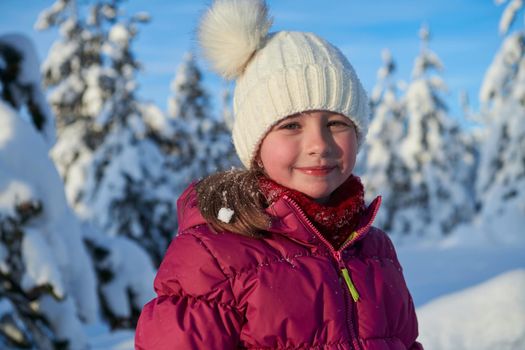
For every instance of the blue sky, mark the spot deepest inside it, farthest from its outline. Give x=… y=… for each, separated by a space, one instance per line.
x=464 y=34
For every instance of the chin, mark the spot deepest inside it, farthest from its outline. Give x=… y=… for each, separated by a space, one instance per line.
x=317 y=195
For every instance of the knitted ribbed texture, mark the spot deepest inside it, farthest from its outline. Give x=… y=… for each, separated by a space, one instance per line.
x=294 y=72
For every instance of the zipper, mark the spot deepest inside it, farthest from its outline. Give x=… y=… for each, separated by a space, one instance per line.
x=344 y=271
x=336 y=254
x=350 y=284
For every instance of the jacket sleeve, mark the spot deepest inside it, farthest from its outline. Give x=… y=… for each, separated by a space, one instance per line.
x=416 y=346
x=407 y=330
x=194 y=307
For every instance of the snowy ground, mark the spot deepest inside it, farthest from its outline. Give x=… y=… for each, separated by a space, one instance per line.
x=435 y=271
x=468 y=294
x=100 y=339
x=468 y=297
x=490 y=315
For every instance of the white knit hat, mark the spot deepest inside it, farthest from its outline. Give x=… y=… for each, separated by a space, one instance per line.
x=278 y=74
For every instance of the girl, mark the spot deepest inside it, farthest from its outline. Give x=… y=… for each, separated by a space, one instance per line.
x=282 y=255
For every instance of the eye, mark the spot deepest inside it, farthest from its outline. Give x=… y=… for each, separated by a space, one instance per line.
x=289 y=126
x=338 y=123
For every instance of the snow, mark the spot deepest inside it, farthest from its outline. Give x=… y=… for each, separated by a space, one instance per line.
x=158 y=121
x=118 y=340
x=438 y=269
x=415 y=156
x=93 y=95
x=59 y=55
x=44 y=18
x=509 y=15
x=27 y=87
x=109 y=11
x=427 y=59
x=66 y=323
x=500 y=73
x=468 y=290
x=225 y=215
x=501 y=185
x=505 y=220
x=387 y=69
x=4 y=264
x=119 y=34
x=134 y=276
x=41 y=268
x=490 y=315
x=52 y=248
x=13 y=192
x=29 y=70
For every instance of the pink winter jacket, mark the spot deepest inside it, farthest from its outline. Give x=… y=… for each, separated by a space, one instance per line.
x=289 y=290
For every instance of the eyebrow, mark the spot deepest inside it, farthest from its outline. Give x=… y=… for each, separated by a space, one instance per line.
x=287 y=119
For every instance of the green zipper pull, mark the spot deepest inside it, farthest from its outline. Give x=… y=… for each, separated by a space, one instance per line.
x=350 y=237
x=351 y=287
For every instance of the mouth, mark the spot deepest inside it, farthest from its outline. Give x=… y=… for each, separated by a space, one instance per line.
x=317 y=170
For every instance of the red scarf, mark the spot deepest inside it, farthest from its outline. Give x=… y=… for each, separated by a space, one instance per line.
x=337 y=219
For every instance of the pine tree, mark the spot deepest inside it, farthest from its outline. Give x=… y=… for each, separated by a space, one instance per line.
x=386 y=173
x=47 y=282
x=210 y=141
x=500 y=183
x=440 y=167
x=74 y=68
x=227 y=112
x=119 y=157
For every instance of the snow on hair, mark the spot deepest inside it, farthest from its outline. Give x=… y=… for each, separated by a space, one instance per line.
x=231 y=31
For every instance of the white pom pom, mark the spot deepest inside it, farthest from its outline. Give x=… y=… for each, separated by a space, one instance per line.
x=225 y=215
x=230 y=33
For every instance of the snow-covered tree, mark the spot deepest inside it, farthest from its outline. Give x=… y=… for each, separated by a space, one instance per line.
x=190 y=101
x=20 y=83
x=211 y=148
x=49 y=260
x=501 y=175
x=47 y=283
x=386 y=173
x=439 y=196
x=227 y=112
x=74 y=67
x=48 y=286
x=117 y=155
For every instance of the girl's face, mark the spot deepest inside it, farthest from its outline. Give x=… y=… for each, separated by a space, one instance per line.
x=311 y=152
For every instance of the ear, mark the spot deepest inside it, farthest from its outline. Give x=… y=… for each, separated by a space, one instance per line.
x=258 y=164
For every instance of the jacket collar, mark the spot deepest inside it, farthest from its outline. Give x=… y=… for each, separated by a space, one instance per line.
x=188 y=214
x=287 y=218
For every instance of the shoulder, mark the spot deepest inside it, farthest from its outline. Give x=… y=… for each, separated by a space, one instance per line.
x=377 y=243
x=188 y=213
x=189 y=267
x=199 y=259
x=223 y=256
x=237 y=254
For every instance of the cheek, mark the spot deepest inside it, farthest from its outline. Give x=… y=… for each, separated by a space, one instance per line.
x=348 y=147
x=277 y=156
x=265 y=151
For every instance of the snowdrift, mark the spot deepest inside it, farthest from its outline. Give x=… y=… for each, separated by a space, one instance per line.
x=490 y=315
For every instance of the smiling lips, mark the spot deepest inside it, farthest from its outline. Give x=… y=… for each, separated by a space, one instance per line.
x=317 y=170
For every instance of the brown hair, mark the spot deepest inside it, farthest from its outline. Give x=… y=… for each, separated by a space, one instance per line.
x=239 y=191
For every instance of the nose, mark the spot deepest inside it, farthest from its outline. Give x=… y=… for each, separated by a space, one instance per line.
x=318 y=141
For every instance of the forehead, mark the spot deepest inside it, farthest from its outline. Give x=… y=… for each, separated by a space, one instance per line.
x=312 y=114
